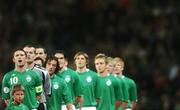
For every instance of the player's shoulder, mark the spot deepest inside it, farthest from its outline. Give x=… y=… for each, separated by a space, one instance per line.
x=128 y=78
x=9 y=73
x=114 y=78
x=32 y=73
x=29 y=71
x=40 y=68
x=59 y=79
x=92 y=72
x=71 y=70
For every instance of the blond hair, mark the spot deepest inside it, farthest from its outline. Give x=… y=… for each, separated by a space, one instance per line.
x=101 y=56
x=118 y=59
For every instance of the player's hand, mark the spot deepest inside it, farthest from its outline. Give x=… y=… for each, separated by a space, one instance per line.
x=6 y=102
x=79 y=99
x=38 y=98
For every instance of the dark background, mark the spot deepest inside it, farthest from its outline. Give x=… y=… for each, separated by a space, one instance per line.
x=144 y=32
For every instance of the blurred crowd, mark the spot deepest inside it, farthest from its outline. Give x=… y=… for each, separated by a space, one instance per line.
x=144 y=32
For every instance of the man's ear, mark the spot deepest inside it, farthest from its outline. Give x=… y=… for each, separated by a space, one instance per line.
x=13 y=59
x=66 y=62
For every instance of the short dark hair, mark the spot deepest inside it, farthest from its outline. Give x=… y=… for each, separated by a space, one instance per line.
x=61 y=52
x=40 y=46
x=19 y=49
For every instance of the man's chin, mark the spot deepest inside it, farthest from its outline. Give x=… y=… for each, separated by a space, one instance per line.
x=18 y=102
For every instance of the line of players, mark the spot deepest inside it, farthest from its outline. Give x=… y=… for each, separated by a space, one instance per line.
x=49 y=84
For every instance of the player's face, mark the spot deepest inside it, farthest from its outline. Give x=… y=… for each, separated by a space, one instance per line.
x=18 y=97
x=40 y=53
x=100 y=65
x=62 y=61
x=80 y=61
x=51 y=67
x=30 y=51
x=119 y=66
x=110 y=67
x=19 y=58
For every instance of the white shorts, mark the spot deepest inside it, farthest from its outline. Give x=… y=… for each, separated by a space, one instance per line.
x=128 y=109
x=63 y=107
x=88 y=108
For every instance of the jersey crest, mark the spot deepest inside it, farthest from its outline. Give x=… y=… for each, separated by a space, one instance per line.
x=28 y=78
x=108 y=82
x=89 y=79
x=56 y=86
x=67 y=78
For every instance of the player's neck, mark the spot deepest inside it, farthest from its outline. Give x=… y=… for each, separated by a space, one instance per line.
x=16 y=103
x=120 y=73
x=81 y=69
x=63 y=68
x=103 y=74
x=29 y=65
x=20 y=68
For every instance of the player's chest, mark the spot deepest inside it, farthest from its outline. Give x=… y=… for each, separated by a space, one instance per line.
x=68 y=78
x=56 y=86
x=21 y=79
x=106 y=82
x=87 y=80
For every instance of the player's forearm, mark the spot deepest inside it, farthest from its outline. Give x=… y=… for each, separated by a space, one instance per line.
x=124 y=105
x=6 y=102
x=38 y=98
x=97 y=100
x=79 y=100
x=133 y=105
x=117 y=104
x=69 y=106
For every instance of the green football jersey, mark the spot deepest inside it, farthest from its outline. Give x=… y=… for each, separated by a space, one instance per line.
x=132 y=90
x=31 y=82
x=73 y=81
x=13 y=106
x=89 y=81
x=125 y=94
x=124 y=89
x=109 y=91
x=59 y=93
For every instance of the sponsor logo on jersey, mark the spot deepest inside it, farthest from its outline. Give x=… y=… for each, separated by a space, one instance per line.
x=108 y=82
x=28 y=78
x=6 y=90
x=89 y=79
x=67 y=78
x=56 y=86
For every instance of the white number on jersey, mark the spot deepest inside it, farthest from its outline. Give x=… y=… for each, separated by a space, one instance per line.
x=14 y=80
